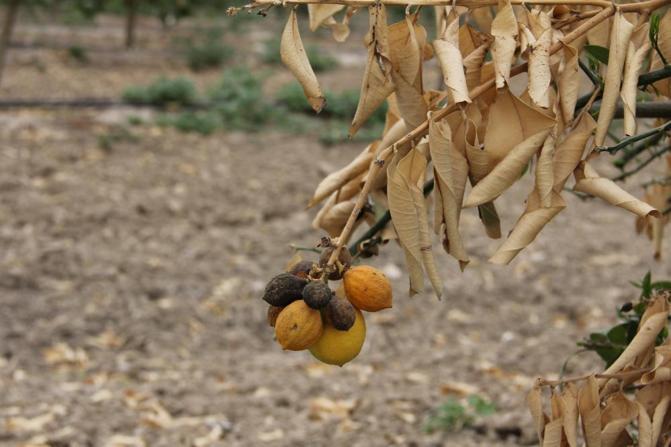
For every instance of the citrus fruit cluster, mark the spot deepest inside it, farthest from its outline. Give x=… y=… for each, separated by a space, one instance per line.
x=307 y=314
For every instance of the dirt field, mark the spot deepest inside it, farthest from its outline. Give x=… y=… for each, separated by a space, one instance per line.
x=130 y=283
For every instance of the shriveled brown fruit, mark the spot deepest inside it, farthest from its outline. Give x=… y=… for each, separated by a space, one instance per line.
x=284 y=289
x=317 y=294
x=367 y=288
x=345 y=259
x=341 y=313
x=302 y=269
x=298 y=326
x=273 y=312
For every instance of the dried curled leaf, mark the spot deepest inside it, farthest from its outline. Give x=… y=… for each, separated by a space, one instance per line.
x=406 y=41
x=510 y=122
x=568 y=82
x=590 y=412
x=636 y=52
x=615 y=418
x=535 y=404
x=377 y=83
x=532 y=221
x=619 y=40
x=451 y=63
x=504 y=30
x=293 y=55
x=540 y=40
x=450 y=174
x=338 y=179
x=544 y=171
x=320 y=14
x=590 y=182
x=408 y=211
x=569 y=152
x=507 y=171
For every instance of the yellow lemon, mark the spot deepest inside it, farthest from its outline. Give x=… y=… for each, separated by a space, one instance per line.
x=339 y=347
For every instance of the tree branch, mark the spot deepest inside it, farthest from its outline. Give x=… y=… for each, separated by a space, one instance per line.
x=634 y=138
x=658 y=153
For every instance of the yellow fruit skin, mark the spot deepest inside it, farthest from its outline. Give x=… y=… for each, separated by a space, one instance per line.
x=298 y=326
x=367 y=288
x=339 y=347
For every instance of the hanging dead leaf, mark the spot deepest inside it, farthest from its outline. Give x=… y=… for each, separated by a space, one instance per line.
x=532 y=221
x=510 y=122
x=504 y=30
x=535 y=404
x=320 y=14
x=338 y=179
x=589 y=407
x=507 y=171
x=590 y=182
x=570 y=150
x=450 y=174
x=408 y=211
x=406 y=40
x=544 y=173
x=293 y=55
x=377 y=83
x=451 y=63
x=569 y=82
x=615 y=417
x=540 y=40
x=619 y=40
x=637 y=50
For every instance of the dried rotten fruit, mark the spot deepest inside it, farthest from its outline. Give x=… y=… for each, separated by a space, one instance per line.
x=302 y=269
x=317 y=294
x=273 y=312
x=344 y=258
x=341 y=314
x=367 y=288
x=337 y=347
x=298 y=326
x=284 y=289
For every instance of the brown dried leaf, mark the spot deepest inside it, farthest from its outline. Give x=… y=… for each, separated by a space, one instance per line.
x=293 y=55
x=507 y=171
x=333 y=220
x=338 y=179
x=652 y=322
x=473 y=65
x=660 y=414
x=553 y=433
x=590 y=412
x=320 y=14
x=377 y=82
x=449 y=56
x=590 y=182
x=535 y=404
x=569 y=410
x=637 y=50
x=615 y=418
x=408 y=211
x=568 y=82
x=619 y=40
x=406 y=40
x=510 y=122
x=450 y=174
x=569 y=152
x=644 y=427
x=544 y=172
x=504 y=30
x=532 y=221
x=540 y=40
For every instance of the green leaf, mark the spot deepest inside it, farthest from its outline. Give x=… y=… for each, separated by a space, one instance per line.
x=598 y=52
x=661 y=285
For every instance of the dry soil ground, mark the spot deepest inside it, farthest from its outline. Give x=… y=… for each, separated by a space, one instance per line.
x=130 y=283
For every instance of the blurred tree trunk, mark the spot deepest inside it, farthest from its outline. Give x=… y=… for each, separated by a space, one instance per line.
x=131 y=17
x=7 y=28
